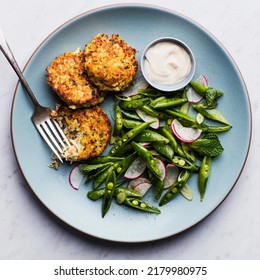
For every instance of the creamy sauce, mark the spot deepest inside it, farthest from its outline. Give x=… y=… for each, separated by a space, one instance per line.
x=167 y=63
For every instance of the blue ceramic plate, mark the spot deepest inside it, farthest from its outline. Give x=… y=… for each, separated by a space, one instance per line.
x=138 y=25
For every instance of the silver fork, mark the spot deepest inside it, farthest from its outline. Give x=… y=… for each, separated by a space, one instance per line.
x=44 y=123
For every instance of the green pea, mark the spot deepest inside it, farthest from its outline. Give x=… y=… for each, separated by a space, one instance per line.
x=135 y=202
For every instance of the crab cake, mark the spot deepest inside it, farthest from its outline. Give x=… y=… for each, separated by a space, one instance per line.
x=110 y=63
x=88 y=130
x=66 y=77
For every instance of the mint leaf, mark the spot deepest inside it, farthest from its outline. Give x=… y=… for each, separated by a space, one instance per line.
x=209 y=145
x=211 y=97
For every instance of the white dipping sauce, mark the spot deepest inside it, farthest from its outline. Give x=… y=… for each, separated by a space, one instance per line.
x=167 y=63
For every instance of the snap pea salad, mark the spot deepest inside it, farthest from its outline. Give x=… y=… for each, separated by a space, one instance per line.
x=144 y=128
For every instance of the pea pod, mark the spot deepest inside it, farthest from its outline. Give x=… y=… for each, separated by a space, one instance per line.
x=99 y=193
x=130 y=135
x=96 y=173
x=129 y=124
x=213 y=129
x=184 y=163
x=156 y=114
x=96 y=194
x=141 y=205
x=157 y=184
x=175 y=188
x=134 y=104
x=104 y=159
x=122 y=166
x=148 y=158
x=102 y=177
x=85 y=168
x=212 y=114
x=172 y=141
x=128 y=192
x=118 y=120
x=199 y=88
x=170 y=102
x=151 y=92
x=164 y=149
x=148 y=135
x=130 y=115
x=109 y=192
x=203 y=175
x=180 y=114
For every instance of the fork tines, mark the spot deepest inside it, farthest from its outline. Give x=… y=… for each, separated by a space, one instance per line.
x=54 y=136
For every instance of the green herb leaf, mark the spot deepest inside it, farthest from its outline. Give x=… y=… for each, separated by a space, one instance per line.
x=209 y=145
x=211 y=97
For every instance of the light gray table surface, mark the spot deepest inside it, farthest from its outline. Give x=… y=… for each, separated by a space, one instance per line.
x=28 y=231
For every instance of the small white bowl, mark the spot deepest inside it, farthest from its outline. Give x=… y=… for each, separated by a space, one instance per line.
x=169 y=87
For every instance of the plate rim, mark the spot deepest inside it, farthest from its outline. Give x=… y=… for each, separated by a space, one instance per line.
x=131 y=5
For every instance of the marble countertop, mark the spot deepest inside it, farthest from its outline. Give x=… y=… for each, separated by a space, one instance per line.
x=28 y=231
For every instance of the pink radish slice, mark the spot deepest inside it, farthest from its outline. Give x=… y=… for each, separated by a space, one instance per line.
x=136 y=169
x=161 y=167
x=143 y=188
x=172 y=173
x=147 y=118
x=139 y=82
x=192 y=95
x=133 y=183
x=202 y=80
x=144 y=144
x=75 y=177
x=185 y=134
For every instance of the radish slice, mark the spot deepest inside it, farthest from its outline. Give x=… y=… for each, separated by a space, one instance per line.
x=186 y=192
x=75 y=177
x=144 y=144
x=139 y=82
x=133 y=183
x=172 y=173
x=192 y=95
x=185 y=134
x=147 y=118
x=161 y=167
x=136 y=169
x=143 y=188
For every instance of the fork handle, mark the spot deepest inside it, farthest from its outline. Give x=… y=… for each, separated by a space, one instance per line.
x=5 y=49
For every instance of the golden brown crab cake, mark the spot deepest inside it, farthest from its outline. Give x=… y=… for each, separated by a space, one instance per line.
x=88 y=130
x=110 y=62
x=66 y=76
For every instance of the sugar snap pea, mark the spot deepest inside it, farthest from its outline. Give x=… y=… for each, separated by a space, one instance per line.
x=148 y=135
x=184 y=163
x=172 y=141
x=148 y=158
x=99 y=193
x=164 y=149
x=203 y=175
x=134 y=104
x=130 y=135
x=102 y=177
x=131 y=123
x=169 y=102
x=85 y=168
x=109 y=192
x=180 y=114
x=141 y=205
x=199 y=88
x=104 y=159
x=123 y=165
x=212 y=114
x=175 y=188
x=118 y=120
